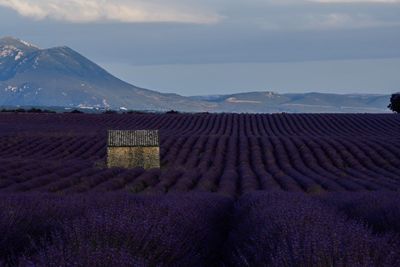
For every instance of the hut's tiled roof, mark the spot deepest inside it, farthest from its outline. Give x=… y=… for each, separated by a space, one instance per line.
x=124 y=138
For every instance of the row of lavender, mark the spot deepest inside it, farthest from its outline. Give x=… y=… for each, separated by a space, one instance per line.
x=231 y=154
x=229 y=165
x=350 y=125
x=258 y=229
x=82 y=178
x=377 y=154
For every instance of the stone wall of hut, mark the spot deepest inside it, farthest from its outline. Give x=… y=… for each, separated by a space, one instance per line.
x=132 y=157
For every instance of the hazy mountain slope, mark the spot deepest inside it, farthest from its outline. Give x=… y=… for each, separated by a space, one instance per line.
x=62 y=77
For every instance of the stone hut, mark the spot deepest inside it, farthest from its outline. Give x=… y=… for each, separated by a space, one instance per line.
x=130 y=149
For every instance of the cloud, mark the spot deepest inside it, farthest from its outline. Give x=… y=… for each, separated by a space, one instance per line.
x=344 y=21
x=357 y=1
x=84 y=11
x=301 y=15
x=267 y=14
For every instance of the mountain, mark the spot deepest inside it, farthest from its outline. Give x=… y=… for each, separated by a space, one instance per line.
x=30 y=76
x=60 y=76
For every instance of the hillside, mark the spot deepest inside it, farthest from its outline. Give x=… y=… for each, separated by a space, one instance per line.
x=62 y=77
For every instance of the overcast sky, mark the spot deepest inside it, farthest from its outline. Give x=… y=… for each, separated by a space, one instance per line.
x=197 y=47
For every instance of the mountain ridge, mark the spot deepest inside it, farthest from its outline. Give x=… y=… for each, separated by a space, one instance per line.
x=267 y=101
x=60 y=76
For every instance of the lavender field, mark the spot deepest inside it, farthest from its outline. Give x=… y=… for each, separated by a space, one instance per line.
x=233 y=190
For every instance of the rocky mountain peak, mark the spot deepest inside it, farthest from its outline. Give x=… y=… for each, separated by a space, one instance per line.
x=17 y=43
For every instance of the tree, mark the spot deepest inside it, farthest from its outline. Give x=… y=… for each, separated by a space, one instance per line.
x=76 y=111
x=395 y=103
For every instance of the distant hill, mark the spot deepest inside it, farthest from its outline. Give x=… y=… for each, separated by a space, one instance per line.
x=308 y=102
x=61 y=77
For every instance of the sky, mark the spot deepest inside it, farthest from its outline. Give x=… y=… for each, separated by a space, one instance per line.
x=199 y=47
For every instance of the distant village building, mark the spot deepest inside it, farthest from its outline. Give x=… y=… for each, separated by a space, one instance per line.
x=130 y=149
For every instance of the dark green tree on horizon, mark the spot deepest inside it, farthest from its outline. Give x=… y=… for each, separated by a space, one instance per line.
x=395 y=103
